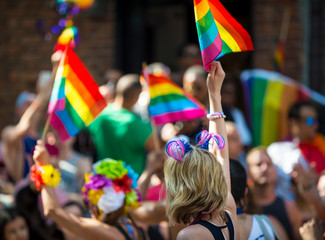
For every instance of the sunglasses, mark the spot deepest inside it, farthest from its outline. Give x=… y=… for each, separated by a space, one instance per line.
x=310 y=121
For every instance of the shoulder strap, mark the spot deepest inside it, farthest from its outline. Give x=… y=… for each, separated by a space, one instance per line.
x=121 y=229
x=262 y=226
x=215 y=231
x=230 y=227
x=271 y=225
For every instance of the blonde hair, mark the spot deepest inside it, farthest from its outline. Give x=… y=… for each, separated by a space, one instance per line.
x=194 y=186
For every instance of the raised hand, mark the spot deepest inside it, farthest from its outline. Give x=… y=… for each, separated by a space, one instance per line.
x=41 y=154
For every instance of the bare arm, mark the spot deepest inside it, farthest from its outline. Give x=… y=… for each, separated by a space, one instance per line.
x=306 y=180
x=278 y=228
x=295 y=217
x=12 y=136
x=155 y=162
x=85 y=228
x=150 y=212
x=214 y=84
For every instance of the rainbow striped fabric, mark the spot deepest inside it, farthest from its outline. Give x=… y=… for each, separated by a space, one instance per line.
x=169 y=103
x=75 y=101
x=279 y=57
x=268 y=98
x=219 y=33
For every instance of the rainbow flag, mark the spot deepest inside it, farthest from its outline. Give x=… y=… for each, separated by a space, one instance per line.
x=219 y=33
x=169 y=103
x=268 y=98
x=279 y=57
x=75 y=101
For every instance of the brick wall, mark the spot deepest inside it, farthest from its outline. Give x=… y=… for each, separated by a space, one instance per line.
x=267 y=20
x=24 y=52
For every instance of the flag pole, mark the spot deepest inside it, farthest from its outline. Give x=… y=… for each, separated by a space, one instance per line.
x=285 y=25
x=46 y=127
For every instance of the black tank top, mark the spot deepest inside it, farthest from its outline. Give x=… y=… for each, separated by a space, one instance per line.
x=216 y=230
x=127 y=237
x=277 y=209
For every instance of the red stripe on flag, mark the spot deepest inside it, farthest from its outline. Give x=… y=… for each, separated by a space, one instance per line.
x=239 y=34
x=83 y=75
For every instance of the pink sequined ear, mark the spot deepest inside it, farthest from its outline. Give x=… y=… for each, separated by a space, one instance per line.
x=177 y=149
x=204 y=137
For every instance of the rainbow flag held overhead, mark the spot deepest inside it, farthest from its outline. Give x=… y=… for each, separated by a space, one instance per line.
x=169 y=103
x=218 y=32
x=268 y=98
x=75 y=101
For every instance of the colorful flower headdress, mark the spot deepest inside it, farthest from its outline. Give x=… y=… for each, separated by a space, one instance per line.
x=111 y=185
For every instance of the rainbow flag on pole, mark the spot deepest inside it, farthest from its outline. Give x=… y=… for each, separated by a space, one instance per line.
x=75 y=101
x=169 y=103
x=219 y=33
x=268 y=98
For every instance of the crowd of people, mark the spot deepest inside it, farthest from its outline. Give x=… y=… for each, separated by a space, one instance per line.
x=123 y=178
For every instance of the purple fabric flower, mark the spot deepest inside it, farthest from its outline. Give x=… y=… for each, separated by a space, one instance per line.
x=98 y=182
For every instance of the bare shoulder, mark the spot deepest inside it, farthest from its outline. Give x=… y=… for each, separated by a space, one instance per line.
x=278 y=227
x=194 y=232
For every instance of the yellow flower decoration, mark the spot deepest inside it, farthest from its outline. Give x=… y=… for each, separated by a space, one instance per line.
x=50 y=176
x=94 y=196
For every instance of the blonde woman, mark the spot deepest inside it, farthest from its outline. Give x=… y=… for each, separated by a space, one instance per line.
x=198 y=180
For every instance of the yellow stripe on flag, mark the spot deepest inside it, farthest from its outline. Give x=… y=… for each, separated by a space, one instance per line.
x=163 y=89
x=272 y=103
x=78 y=103
x=227 y=38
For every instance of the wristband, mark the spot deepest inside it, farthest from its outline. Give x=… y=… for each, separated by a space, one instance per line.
x=216 y=115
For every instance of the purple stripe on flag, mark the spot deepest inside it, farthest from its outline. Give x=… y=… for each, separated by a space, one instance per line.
x=59 y=127
x=56 y=105
x=211 y=53
x=178 y=116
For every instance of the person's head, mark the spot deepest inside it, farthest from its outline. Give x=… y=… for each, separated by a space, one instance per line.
x=112 y=76
x=189 y=54
x=260 y=167
x=236 y=147
x=194 y=82
x=110 y=190
x=13 y=226
x=107 y=92
x=238 y=179
x=303 y=121
x=195 y=183
x=128 y=88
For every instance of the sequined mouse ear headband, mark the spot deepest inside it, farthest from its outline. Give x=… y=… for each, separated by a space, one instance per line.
x=177 y=149
x=204 y=137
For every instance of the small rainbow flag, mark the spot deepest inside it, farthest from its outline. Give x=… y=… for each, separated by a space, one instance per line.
x=219 y=33
x=75 y=101
x=279 y=57
x=169 y=103
x=268 y=98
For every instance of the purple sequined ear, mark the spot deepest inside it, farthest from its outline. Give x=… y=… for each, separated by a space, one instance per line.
x=177 y=149
x=204 y=137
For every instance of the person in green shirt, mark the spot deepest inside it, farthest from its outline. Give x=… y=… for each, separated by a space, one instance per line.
x=120 y=134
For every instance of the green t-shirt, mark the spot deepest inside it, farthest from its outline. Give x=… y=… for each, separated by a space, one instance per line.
x=120 y=135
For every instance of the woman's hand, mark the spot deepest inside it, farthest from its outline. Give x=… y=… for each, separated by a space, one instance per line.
x=215 y=79
x=41 y=154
